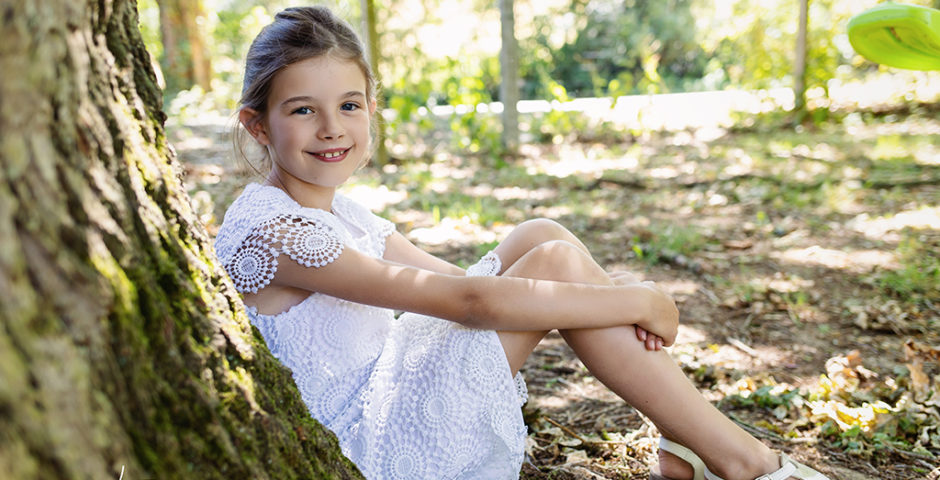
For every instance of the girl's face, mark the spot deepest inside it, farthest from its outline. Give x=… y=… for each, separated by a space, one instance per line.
x=316 y=128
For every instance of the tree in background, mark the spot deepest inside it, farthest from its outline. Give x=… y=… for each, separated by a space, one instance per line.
x=509 y=76
x=799 y=64
x=186 y=61
x=371 y=38
x=124 y=349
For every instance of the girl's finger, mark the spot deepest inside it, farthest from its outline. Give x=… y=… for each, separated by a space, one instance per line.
x=641 y=334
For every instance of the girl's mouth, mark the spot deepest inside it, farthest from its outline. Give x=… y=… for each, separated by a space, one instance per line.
x=331 y=156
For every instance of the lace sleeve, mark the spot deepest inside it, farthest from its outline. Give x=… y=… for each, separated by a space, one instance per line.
x=488 y=266
x=306 y=241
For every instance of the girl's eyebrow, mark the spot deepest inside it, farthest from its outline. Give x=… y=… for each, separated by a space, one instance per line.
x=309 y=99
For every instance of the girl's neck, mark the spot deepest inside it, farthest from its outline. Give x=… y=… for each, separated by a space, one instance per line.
x=310 y=196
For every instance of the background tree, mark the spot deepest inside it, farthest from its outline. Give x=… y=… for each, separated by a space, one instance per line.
x=123 y=346
x=371 y=37
x=799 y=64
x=186 y=60
x=509 y=76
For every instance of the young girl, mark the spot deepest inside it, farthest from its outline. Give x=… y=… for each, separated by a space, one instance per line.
x=431 y=394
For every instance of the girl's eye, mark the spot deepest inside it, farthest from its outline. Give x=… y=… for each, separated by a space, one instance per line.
x=304 y=111
x=349 y=106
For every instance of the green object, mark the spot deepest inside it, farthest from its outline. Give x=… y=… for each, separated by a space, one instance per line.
x=898 y=35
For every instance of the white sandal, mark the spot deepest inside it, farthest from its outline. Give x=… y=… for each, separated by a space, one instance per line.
x=698 y=466
x=788 y=468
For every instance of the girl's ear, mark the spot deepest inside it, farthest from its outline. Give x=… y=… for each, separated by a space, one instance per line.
x=254 y=124
x=372 y=106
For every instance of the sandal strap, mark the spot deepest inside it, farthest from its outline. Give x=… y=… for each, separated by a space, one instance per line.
x=790 y=468
x=698 y=466
x=784 y=473
x=711 y=476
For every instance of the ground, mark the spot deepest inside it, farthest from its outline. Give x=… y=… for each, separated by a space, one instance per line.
x=802 y=258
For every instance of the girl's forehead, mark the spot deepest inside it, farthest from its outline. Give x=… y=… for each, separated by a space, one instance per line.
x=322 y=77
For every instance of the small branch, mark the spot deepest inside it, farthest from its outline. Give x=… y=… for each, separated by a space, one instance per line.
x=583 y=440
x=743 y=347
x=633 y=184
x=566 y=429
x=757 y=431
x=908 y=454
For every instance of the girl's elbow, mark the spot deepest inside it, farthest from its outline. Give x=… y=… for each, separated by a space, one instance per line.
x=473 y=310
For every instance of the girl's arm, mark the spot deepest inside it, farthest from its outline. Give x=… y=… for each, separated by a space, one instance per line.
x=399 y=250
x=501 y=303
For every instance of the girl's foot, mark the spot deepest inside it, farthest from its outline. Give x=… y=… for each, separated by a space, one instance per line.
x=677 y=462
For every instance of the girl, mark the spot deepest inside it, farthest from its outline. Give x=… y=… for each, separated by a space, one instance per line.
x=431 y=394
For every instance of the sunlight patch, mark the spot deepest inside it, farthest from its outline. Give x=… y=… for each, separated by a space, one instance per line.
x=576 y=160
x=877 y=228
x=458 y=231
x=679 y=287
x=375 y=198
x=856 y=261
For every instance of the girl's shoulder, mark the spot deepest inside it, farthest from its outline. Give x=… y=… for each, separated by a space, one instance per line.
x=259 y=205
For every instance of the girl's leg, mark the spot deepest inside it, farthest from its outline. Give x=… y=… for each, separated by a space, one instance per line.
x=523 y=241
x=648 y=380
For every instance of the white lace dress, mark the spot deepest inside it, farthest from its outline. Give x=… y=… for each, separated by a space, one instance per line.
x=412 y=397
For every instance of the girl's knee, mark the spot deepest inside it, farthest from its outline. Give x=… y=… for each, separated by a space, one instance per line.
x=554 y=250
x=527 y=236
x=540 y=230
x=559 y=260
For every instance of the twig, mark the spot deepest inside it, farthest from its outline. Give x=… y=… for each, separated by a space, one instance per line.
x=566 y=429
x=908 y=454
x=743 y=347
x=568 y=469
x=758 y=431
x=582 y=439
x=710 y=295
x=634 y=184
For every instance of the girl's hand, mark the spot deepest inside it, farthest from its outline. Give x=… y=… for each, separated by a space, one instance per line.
x=662 y=319
x=651 y=341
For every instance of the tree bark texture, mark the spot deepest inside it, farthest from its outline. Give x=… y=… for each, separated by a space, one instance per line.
x=186 y=61
x=123 y=345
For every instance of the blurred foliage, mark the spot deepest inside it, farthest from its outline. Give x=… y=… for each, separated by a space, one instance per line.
x=618 y=48
x=445 y=53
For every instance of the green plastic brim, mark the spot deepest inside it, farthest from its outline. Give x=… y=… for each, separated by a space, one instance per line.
x=901 y=36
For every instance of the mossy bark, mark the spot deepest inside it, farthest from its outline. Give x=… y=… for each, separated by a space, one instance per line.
x=123 y=346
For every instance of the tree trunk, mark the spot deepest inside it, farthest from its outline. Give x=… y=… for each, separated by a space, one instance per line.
x=799 y=65
x=123 y=345
x=509 y=73
x=371 y=34
x=186 y=61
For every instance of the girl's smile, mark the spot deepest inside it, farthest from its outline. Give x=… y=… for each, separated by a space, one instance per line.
x=330 y=156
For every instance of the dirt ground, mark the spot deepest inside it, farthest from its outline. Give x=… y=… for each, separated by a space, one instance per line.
x=783 y=249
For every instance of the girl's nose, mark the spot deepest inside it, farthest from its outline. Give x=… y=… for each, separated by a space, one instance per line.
x=330 y=128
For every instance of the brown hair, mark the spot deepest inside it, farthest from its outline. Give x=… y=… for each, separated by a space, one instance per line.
x=297 y=33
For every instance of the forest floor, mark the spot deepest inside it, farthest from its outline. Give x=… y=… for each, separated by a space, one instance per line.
x=804 y=262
